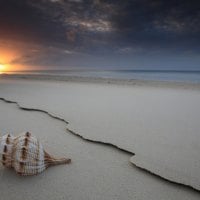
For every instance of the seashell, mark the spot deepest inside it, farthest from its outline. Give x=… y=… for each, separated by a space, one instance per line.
x=26 y=155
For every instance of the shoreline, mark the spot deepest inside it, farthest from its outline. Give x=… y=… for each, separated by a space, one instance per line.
x=98 y=80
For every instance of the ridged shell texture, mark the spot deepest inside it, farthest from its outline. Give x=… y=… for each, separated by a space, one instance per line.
x=26 y=155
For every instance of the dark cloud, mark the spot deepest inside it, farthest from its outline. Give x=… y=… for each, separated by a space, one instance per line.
x=71 y=35
x=21 y=21
x=158 y=23
x=112 y=31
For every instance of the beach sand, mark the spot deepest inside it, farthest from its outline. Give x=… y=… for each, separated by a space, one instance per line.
x=157 y=123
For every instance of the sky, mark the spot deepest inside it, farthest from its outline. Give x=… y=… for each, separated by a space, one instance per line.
x=100 y=34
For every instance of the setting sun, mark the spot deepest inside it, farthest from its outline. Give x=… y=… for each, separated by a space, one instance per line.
x=2 y=67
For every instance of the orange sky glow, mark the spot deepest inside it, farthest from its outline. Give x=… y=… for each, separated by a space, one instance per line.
x=9 y=52
x=6 y=56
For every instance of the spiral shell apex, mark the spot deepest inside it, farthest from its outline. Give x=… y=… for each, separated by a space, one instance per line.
x=26 y=155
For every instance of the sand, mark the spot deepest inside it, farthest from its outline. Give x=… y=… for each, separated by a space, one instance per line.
x=158 y=124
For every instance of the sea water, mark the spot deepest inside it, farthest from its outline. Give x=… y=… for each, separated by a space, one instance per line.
x=160 y=75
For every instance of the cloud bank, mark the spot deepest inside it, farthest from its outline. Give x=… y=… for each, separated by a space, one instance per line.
x=103 y=33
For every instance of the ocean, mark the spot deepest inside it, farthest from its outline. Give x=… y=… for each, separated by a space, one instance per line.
x=158 y=75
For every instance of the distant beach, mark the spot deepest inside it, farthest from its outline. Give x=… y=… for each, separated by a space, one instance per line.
x=125 y=75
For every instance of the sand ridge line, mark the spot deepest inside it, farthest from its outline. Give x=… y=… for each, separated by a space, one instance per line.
x=98 y=142
x=66 y=122
x=162 y=177
x=34 y=109
x=133 y=164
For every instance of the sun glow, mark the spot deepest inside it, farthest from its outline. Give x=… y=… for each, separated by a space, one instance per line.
x=2 y=68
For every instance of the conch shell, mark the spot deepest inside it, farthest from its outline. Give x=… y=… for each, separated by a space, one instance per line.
x=26 y=155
